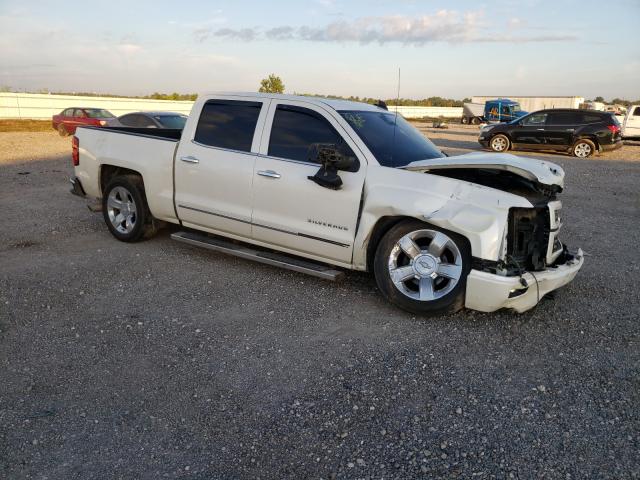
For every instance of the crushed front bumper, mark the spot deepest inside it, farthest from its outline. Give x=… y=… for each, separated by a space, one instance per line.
x=488 y=292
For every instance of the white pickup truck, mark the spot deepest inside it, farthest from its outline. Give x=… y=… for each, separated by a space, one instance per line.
x=340 y=184
x=631 y=123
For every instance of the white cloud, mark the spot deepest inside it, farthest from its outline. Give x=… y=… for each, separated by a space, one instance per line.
x=129 y=48
x=514 y=22
x=443 y=26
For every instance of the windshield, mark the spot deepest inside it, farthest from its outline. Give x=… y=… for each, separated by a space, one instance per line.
x=98 y=113
x=391 y=149
x=515 y=107
x=171 y=121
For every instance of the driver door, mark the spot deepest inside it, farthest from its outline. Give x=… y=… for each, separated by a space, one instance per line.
x=530 y=132
x=289 y=210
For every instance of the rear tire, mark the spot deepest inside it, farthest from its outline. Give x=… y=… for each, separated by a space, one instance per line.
x=62 y=130
x=475 y=121
x=423 y=269
x=125 y=209
x=583 y=148
x=464 y=120
x=499 y=143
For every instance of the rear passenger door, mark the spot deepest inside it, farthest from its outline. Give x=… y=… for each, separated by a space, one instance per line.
x=289 y=210
x=214 y=168
x=561 y=128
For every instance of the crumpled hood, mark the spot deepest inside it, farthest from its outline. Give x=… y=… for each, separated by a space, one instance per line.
x=546 y=173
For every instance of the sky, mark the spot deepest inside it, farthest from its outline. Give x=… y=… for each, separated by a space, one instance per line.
x=453 y=49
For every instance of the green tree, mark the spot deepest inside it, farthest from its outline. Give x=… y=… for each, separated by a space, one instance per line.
x=271 y=84
x=599 y=99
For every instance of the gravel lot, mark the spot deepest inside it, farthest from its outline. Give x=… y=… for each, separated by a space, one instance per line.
x=157 y=360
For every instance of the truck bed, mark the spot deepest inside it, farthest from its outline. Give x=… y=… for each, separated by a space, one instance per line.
x=147 y=151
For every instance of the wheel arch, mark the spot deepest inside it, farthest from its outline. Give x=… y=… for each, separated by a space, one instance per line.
x=587 y=136
x=108 y=172
x=386 y=223
x=506 y=134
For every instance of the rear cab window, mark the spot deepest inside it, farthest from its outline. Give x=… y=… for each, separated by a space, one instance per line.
x=228 y=124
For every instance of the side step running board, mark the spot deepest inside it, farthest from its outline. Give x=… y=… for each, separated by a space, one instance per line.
x=270 y=258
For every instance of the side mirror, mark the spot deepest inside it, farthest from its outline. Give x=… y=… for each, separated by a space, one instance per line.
x=329 y=156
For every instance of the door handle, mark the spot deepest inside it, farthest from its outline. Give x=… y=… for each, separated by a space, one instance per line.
x=269 y=173
x=190 y=159
x=571 y=129
x=540 y=129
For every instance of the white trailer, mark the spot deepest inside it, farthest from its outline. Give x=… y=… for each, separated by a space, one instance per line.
x=531 y=104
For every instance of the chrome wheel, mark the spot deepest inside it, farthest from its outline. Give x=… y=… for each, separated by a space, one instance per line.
x=122 y=210
x=425 y=265
x=499 y=144
x=582 y=150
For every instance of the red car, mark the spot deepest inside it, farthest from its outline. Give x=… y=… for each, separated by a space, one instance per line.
x=69 y=119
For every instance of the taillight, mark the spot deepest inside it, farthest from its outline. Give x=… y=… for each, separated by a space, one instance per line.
x=75 y=151
x=614 y=128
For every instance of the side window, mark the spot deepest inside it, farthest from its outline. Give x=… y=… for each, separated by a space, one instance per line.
x=79 y=113
x=144 y=121
x=296 y=129
x=563 y=118
x=128 y=120
x=636 y=112
x=591 y=118
x=68 y=112
x=228 y=124
x=506 y=110
x=535 y=119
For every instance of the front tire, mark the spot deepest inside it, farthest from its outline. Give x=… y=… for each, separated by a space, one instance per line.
x=499 y=143
x=62 y=131
x=422 y=269
x=464 y=120
x=583 y=148
x=125 y=209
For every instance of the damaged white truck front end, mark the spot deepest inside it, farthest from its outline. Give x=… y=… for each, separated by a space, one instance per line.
x=507 y=208
x=322 y=183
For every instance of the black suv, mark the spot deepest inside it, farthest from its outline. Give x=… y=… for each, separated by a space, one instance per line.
x=579 y=132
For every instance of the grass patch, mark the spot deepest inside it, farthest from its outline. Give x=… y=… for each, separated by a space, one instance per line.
x=25 y=125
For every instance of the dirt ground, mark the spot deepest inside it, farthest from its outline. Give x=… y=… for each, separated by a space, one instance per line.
x=157 y=360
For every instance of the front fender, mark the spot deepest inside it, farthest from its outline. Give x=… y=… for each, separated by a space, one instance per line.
x=478 y=213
